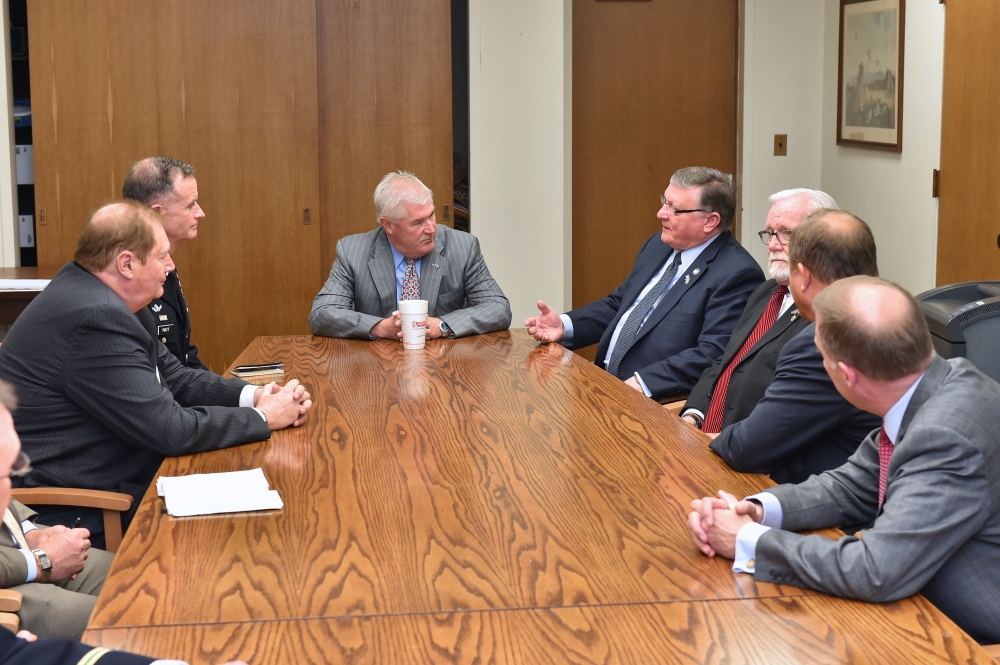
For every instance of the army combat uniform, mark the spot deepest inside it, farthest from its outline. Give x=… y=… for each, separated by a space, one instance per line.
x=173 y=325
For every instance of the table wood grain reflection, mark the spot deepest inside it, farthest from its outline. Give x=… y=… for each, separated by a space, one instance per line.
x=433 y=495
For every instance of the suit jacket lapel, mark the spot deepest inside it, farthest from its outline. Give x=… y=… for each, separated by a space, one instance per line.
x=15 y=529
x=646 y=273
x=383 y=273
x=779 y=327
x=694 y=272
x=929 y=385
x=432 y=267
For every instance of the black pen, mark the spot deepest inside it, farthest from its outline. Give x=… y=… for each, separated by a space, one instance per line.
x=76 y=524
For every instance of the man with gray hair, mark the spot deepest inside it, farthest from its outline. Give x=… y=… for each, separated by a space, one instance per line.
x=929 y=477
x=673 y=315
x=728 y=390
x=408 y=257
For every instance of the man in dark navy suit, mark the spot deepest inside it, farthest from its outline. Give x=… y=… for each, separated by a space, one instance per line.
x=168 y=186
x=673 y=315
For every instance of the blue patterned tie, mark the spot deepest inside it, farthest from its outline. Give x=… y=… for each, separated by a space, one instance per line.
x=638 y=314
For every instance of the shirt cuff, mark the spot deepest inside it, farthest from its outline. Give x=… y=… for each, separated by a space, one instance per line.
x=772 y=509
x=746 y=547
x=27 y=526
x=29 y=558
x=642 y=384
x=246 y=397
x=261 y=413
x=693 y=412
x=567 y=329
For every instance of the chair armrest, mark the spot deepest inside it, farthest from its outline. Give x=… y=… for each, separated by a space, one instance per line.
x=10 y=621
x=10 y=600
x=61 y=496
x=993 y=650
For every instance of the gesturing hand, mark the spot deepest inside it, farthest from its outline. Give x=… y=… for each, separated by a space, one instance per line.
x=547 y=326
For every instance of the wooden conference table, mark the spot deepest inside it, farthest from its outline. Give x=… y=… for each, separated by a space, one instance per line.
x=485 y=500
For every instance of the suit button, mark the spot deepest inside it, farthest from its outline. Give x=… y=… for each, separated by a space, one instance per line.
x=773 y=575
x=164 y=340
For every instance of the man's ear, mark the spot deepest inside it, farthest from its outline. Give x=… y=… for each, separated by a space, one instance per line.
x=850 y=374
x=158 y=207
x=712 y=223
x=805 y=275
x=386 y=224
x=126 y=264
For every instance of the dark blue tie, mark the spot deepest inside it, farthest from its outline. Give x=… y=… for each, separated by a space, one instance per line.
x=626 y=338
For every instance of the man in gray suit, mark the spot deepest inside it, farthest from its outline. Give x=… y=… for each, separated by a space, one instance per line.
x=103 y=402
x=408 y=257
x=930 y=477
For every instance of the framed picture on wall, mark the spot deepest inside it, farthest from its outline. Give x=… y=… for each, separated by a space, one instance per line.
x=870 y=75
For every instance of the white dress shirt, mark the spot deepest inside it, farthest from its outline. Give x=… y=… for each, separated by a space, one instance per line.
x=688 y=256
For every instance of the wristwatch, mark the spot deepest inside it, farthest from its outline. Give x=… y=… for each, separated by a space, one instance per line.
x=445 y=330
x=44 y=565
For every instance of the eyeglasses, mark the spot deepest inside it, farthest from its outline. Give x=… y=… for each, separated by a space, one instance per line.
x=782 y=235
x=674 y=211
x=20 y=468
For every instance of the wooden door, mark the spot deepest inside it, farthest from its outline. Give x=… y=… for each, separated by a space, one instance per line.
x=227 y=85
x=654 y=90
x=968 y=227
x=237 y=99
x=385 y=105
x=94 y=101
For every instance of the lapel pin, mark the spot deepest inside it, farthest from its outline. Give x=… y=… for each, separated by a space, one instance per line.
x=435 y=265
x=696 y=271
x=795 y=315
x=687 y=279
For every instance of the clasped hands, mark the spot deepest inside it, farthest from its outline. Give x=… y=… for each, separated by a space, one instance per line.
x=715 y=521
x=67 y=549
x=284 y=405
x=392 y=327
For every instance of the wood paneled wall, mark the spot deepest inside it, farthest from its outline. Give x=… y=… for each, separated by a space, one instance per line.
x=654 y=90
x=968 y=241
x=281 y=107
x=392 y=59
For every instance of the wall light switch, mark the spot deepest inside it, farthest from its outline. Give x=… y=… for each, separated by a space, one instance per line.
x=780 y=145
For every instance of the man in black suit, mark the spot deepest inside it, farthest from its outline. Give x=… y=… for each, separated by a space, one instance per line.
x=728 y=390
x=168 y=186
x=672 y=316
x=802 y=425
x=102 y=402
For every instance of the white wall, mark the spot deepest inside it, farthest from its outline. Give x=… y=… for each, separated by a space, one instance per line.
x=10 y=252
x=520 y=58
x=892 y=191
x=782 y=94
x=790 y=86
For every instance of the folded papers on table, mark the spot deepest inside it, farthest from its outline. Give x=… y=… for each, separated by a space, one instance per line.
x=213 y=493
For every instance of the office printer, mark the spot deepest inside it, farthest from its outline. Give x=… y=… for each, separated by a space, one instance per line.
x=964 y=320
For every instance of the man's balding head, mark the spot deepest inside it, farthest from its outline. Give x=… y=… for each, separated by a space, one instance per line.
x=875 y=326
x=114 y=228
x=125 y=247
x=151 y=180
x=834 y=244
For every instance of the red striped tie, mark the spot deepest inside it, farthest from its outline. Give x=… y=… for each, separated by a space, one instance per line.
x=885 y=448
x=716 y=408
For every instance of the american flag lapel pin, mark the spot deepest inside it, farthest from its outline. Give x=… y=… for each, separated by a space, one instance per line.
x=436 y=265
x=687 y=279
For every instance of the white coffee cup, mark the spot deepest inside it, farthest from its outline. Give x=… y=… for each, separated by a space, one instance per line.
x=414 y=316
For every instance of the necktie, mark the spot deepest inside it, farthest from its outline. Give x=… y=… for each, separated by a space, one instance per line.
x=411 y=283
x=885 y=448
x=635 y=319
x=15 y=529
x=717 y=407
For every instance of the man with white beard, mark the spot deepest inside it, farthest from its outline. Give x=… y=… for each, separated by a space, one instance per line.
x=728 y=390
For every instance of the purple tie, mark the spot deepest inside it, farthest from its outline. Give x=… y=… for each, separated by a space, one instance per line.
x=411 y=283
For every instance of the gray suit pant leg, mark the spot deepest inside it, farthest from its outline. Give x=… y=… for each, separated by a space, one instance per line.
x=63 y=609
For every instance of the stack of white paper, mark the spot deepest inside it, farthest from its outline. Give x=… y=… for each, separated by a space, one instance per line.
x=23 y=284
x=212 y=493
